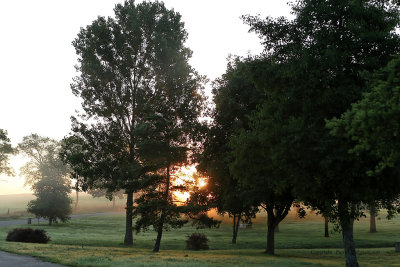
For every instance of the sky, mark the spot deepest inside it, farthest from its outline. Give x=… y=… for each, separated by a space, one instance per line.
x=37 y=59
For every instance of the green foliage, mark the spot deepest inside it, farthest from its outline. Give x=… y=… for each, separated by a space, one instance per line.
x=5 y=151
x=373 y=122
x=372 y=126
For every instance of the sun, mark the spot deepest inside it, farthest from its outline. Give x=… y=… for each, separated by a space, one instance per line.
x=186 y=176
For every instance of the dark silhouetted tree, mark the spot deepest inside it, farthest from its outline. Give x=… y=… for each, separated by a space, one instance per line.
x=316 y=60
x=235 y=97
x=134 y=80
x=372 y=126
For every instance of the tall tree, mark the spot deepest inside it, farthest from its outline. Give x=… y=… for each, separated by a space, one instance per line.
x=134 y=78
x=169 y=133
x=5 y=151
x=235 y=97
x=317 y=59
x=253 y=166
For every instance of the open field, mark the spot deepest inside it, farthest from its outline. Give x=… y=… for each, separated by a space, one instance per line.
x=14 y=206
x=97 y=241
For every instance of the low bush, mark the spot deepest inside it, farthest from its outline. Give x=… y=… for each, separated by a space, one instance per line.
x=197 y=241
x=28 y=235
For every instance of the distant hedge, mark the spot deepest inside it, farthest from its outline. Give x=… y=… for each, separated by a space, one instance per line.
x=27 y=235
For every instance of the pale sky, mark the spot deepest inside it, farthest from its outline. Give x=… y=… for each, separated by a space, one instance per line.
x=37 y=59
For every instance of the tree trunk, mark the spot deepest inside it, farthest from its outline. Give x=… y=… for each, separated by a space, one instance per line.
x=76 y=198
x=276 y=213
x=349 y=246
x=372 y=222
x=159 y=233
x=113 y=200
x=234 y=229
x=276 y=229
x=50 y=221
x=162 y=217
x=271 y=235
x=347 y=222
x=236 y=222
x=326 y=227
x=128 y=240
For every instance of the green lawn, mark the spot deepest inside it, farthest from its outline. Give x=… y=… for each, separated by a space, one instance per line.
x=97 y=241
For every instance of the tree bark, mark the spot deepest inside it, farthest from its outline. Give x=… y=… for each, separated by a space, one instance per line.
x=372 y=220
x=128 y=240
x=326 y=227
x=276 y=213
x=236 y=222
x=271 y=234
x=347 y=222
x=276 y=229
x=162 y=217
x=50 y=221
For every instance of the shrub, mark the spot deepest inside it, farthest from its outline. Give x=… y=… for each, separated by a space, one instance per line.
x=197 y=241
x=28 y=235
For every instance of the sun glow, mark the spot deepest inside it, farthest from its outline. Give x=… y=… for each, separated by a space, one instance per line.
x=188 y=177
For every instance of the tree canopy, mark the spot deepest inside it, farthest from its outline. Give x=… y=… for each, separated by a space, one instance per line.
x=372 y=122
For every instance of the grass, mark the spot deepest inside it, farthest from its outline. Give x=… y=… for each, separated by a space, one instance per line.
x=97 y=241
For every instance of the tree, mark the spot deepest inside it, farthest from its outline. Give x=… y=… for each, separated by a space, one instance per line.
x=134 y=78
x=253 y=166
x=48 y=177
x=5 y=151
x=52 y=199
x=316 y=61
x=235 y=97
x=169 y=134
x=372 y=126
